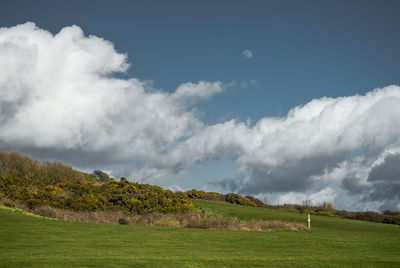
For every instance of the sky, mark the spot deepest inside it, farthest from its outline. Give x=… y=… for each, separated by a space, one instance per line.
x=284 y=100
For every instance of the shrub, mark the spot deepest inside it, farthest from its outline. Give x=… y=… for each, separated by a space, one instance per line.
x=123 y=221
x=101 y=176
x=9 y=204
x=256 y=201
x=239 y=200
x=326 y=213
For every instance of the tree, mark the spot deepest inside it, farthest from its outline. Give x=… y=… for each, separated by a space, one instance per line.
x=307 y=203
x=101 y=176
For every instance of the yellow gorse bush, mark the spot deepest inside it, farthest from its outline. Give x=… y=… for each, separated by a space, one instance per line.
x=34 y=183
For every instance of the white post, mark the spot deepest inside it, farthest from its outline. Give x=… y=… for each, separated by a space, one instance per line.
x=309 y=221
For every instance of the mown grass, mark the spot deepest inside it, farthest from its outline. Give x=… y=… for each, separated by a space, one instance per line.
x=27 y=241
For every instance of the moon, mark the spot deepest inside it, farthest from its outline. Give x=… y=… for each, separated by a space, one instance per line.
x=247 y=53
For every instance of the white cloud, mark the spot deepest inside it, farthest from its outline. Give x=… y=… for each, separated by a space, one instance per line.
x=190 y=93
x=58 y=97
x=322 y=127
x=249 y=84
x=326 y=194
x=247 y=53
x=58 y=92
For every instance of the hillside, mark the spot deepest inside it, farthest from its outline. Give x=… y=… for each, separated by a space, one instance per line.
x=332 y=242
x=35 y=184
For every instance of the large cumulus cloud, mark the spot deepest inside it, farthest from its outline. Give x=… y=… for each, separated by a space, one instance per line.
x=326 y=143
x=57 y=92
x=59 y=98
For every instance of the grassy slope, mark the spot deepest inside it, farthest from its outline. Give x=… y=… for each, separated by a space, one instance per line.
x=33 y=241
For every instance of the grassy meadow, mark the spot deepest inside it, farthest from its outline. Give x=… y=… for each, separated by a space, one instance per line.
x=32 y=241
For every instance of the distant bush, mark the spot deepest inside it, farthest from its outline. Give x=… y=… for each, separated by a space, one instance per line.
x=239 y=200
x=326 y=213
x=231 y=198
x=198 y=194
x=256 y=201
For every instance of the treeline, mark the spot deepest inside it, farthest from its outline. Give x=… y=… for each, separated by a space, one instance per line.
x=387 y=216
x=327 y=209
x=32 y=183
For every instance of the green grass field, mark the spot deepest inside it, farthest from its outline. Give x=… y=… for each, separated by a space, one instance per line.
x=28 y=241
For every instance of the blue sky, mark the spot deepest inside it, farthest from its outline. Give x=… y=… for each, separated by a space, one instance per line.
x=301 y=51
